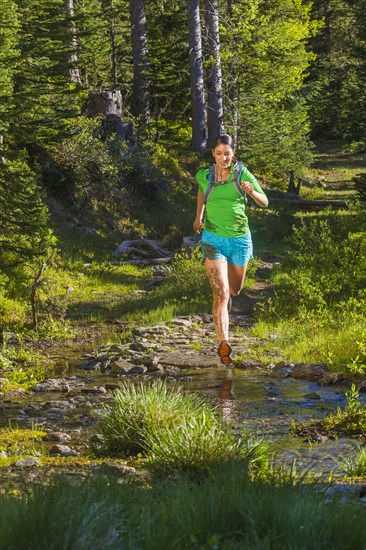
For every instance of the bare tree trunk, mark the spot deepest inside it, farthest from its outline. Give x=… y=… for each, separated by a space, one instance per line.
x=198 y=142
x=2 y=159
x=73 y=58
x=213 y=73
x=114 y=54
x=140 y=101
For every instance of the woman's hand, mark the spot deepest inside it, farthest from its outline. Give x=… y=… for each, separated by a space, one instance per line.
x=260 y=198
x=247 y=186
x=197 y=225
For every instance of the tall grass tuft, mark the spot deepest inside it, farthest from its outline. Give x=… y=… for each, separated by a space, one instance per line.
x=175 y=431
x=354 y=466
x=141 y=409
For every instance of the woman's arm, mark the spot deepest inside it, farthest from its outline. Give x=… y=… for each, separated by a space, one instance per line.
x=260 y=198
x=197 y=224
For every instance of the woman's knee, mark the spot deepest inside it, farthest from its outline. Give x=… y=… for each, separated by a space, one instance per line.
x=221 y=293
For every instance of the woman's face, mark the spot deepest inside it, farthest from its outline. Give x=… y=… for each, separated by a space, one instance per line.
x=223 y=155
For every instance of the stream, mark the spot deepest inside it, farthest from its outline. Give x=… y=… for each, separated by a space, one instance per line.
x=252 y=398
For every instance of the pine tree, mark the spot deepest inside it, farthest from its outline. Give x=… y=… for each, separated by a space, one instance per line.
x=266 y=61
x=9 y=27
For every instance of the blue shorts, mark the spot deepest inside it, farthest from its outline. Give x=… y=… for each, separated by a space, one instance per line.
x=235 y=250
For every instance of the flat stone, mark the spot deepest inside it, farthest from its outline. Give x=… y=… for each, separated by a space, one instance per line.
x=248 y=364
x=309 y=372
x=26 y=462
x=119 y=367
x=51 y=385
x=94 y=389
x=177 y=321
x=57 y=436
x=137 y=369
x=330 y=378
x=62 y=450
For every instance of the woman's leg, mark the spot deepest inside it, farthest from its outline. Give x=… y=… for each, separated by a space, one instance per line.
x=236 y=278
x=217 y=272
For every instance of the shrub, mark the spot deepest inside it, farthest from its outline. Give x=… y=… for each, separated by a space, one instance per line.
x=188 y=276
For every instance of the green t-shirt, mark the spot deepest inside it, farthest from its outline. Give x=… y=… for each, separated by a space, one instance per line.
x=225 y=209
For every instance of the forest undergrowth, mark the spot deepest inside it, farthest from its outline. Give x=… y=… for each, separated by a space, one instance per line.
x=315 y=314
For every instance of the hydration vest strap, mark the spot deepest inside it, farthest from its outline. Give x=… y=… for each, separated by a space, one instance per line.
x=211 y=177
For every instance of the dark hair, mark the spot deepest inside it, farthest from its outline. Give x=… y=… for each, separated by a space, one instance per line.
x=224 y=139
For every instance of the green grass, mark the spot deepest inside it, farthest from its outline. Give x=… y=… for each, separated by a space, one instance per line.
x=227 y=510
x=175 y=431
x=354 y=467
x=19 y=443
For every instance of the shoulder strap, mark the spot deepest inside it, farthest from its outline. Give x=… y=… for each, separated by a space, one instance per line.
x=238 y=168
x=212 y=184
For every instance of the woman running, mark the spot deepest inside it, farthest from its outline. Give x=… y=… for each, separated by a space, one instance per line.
x=226 y=239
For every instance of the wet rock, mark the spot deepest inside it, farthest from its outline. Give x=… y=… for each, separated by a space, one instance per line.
x=186 y=379
x=156 y=369
x=51 y=385
x=63 y=450
x=119 y=367
x=169 y=378
x=137 y=369
x=330 y=378
x=94 y=389
x=26 y=462
x=139 y=346
x=283 y=372
x=115 y=468
x=61 y=437
x=248 y=364
x=171 y=371
x=91 y=366
x=312 y=395
x=309 y=372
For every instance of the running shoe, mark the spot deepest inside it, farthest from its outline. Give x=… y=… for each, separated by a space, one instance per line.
x=224 y=352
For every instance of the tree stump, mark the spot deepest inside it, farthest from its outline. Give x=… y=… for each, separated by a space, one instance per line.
x=105 y=102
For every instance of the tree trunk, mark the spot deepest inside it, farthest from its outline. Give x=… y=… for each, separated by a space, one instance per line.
x=73 y=58
x=140 y=100
x=213 y=73
x=292 y=188
x=114 y=54
x=198 y=142
x=106 y=102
